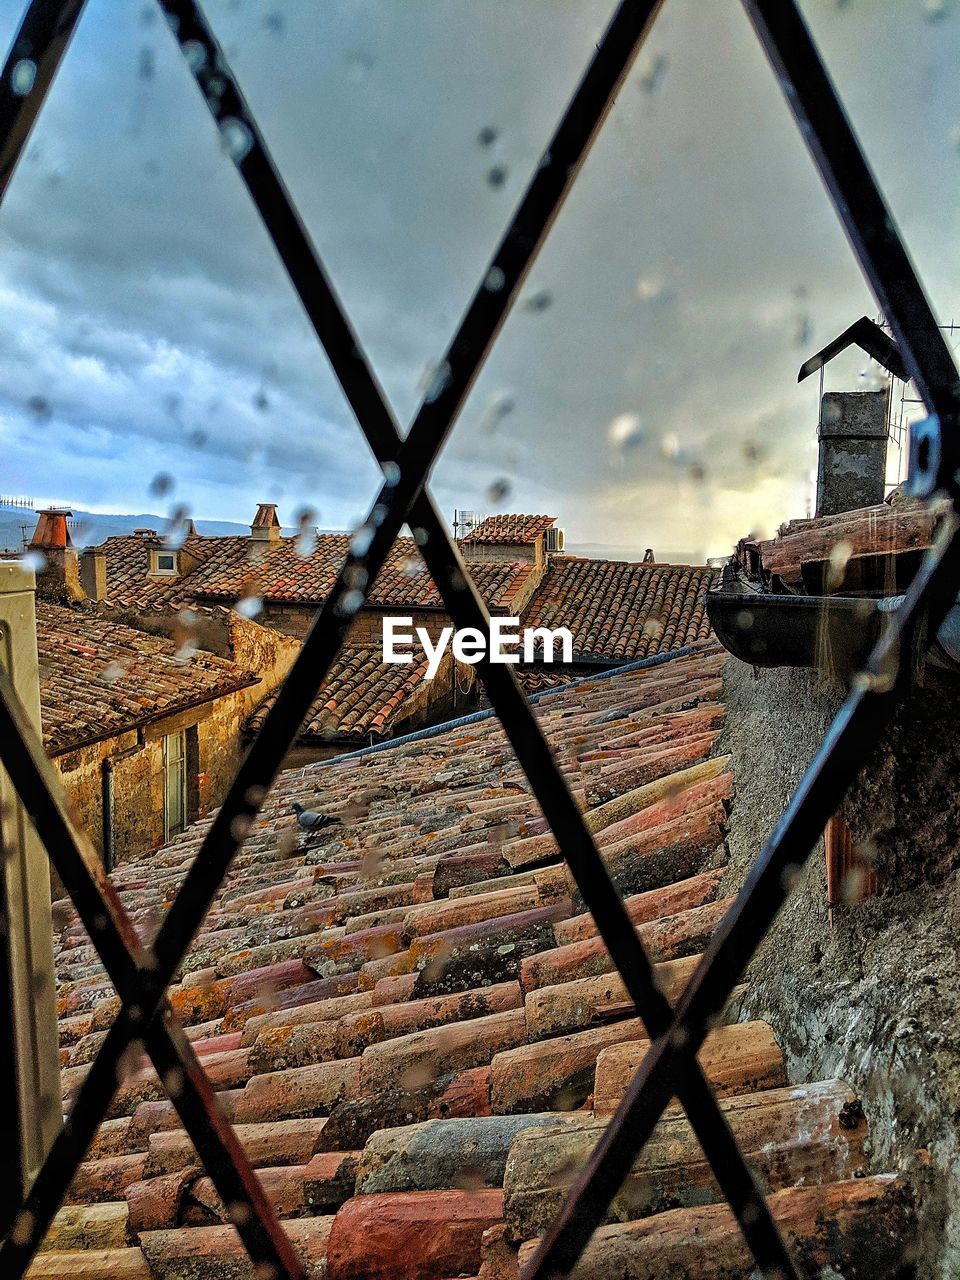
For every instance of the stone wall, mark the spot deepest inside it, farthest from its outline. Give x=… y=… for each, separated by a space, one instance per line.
x=873 y=997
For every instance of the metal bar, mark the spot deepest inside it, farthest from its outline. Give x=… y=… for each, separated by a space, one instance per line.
x=842 y=754
x=484 y=317
x=860 y=205
x=126 y=961
x=31 y=65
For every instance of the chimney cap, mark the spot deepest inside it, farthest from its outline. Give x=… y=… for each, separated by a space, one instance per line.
x=52 y=533
x=266 y=517
x=146 y=533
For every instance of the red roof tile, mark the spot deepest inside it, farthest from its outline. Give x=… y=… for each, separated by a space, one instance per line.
x=234 y=567
x=618 y=610
x=497 y=530
x=425 y=1013
x=99 y=678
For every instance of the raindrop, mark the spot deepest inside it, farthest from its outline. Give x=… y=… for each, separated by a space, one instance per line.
x=488 y=135
x=650 y=288
x=275 y=23
x=112 y=672
x=391 y=474
x=410 y=566
x=177 y=528
x=261 y=401
x=421 y=537
x=670 y=446
x=652 y=78
x=34 y=560
x=954 y=136
x=542 y=300
x=350 y=603
x=434 y=380
x=361 y=540
x=161 y=483
x=497 y=176
x=146 y=63
x=306 y=540
x=499 y=406
x=23 y=76
x=498 y=490
x=195 y=54
x=236 y=138
x=359 y=64
x=197 y=439
x=39 y=409
x=249 y=606
x=496 y=279
x=840 y=554
x=935 y=10
x=357 y=576
x=625 y=432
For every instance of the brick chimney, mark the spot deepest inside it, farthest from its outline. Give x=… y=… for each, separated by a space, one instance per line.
x=266 y=526
x=93 y=573
x=853 y=450
x=60 y=576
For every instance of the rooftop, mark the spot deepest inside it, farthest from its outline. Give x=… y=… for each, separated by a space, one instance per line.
x=99 y=678
x=416 y=1030
x=621 y=610
x=283 y=572
x=510 y=529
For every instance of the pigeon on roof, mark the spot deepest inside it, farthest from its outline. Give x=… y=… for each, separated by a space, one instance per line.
x=310 y=820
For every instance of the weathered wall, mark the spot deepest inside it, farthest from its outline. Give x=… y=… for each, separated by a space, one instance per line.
x=874 y=998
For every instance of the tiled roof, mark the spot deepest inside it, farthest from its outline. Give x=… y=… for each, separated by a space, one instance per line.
x=417 y=1033
x=100 y=678
x=510 y=528
x=889 y=529
x=362 y=696
x=234 y=567
x=618 y=610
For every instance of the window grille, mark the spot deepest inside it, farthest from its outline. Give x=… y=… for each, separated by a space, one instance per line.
x=141 y=974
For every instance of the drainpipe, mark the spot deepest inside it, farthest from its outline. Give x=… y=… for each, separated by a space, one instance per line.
x=29 y=1058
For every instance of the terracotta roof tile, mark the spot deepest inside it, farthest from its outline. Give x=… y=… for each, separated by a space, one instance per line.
x=619 y=610
x=99 y=678
x=506 y=529
x=233 y=567
x=414 y=1069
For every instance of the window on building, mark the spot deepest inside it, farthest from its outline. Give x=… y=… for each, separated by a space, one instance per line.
x=174 y=784
x=165 y=562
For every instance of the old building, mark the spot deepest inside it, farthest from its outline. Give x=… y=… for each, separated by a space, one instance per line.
x=145 y=733
x=417 y=1033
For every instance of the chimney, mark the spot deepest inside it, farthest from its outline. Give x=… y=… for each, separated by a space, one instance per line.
x=60 y=576
x=93 y=573
x=266 y=526
x=853 y=450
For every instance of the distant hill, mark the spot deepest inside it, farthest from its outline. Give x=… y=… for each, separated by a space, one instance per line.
x=94 y=526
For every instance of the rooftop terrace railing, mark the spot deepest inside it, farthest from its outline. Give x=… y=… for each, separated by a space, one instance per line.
x=142 y=974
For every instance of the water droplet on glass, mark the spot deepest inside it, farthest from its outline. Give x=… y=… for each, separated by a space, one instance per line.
x=498 y=490
x=36 y=561
x=236 y=138
x=433 y=381
x=195 y=54
x=350 y=602
x=360 y=542
x=175 y=534
x=651 y=77
x=249 y=606
x=261 y=401
x=626 y=432
x=650 y=288
x=670 y=446
x=306 y=540
x=391 y=474
x=146 y=63
x=161 y=483
x=497 y=176
x=499 y=406
x=935 y=10
x=39 y=409
x=112 y=672
x=488 y=135
x=23 y=76
x=542 y=300
x=496 y=279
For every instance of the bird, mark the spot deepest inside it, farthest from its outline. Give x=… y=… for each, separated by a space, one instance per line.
x=310 y=820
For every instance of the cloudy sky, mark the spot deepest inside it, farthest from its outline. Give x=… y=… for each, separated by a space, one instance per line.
x=644 y=389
